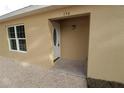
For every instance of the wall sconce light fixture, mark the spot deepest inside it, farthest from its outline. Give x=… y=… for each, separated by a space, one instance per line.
x=73 y=27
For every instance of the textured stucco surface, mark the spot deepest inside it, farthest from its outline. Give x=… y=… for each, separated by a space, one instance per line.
x=23 y=75
x=74 y=41
x=106 y=39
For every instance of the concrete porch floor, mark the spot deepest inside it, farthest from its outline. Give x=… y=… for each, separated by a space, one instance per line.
x=72 y=67
x=23 y=75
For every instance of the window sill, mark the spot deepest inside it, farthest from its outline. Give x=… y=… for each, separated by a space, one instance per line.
x=18 y=51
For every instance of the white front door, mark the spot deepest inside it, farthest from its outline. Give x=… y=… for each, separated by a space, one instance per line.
x=56 y=39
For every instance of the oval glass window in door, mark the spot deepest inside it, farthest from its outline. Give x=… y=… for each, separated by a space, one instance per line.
x=54 y=37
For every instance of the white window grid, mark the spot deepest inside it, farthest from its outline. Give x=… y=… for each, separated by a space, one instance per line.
x=16 y=38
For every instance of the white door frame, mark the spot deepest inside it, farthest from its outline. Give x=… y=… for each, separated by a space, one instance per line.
x=56 y=40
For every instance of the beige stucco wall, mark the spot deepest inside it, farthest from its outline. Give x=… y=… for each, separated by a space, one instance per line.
x=106 y=50
x=74 y=41
x=38 y=41
x=106 y=44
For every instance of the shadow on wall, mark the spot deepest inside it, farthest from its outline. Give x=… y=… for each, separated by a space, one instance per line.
x=85 y=66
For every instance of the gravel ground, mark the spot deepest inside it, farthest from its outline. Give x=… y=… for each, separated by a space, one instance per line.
x=23 y=75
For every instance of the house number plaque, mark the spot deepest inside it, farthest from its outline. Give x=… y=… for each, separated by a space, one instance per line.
x=66 y=13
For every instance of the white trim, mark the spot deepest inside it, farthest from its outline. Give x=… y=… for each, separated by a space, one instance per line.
x=32 y=9
x=15 y=25
x=18 y=51
x=56 y=48
x=21 y=11
x=17 y=39
x=8 y=39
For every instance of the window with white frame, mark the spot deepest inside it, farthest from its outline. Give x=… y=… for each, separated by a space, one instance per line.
x=16 y=37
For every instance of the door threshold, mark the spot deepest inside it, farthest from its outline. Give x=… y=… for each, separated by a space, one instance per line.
x=56 y=59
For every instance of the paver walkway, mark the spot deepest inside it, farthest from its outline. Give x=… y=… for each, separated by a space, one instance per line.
x=23 y=75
